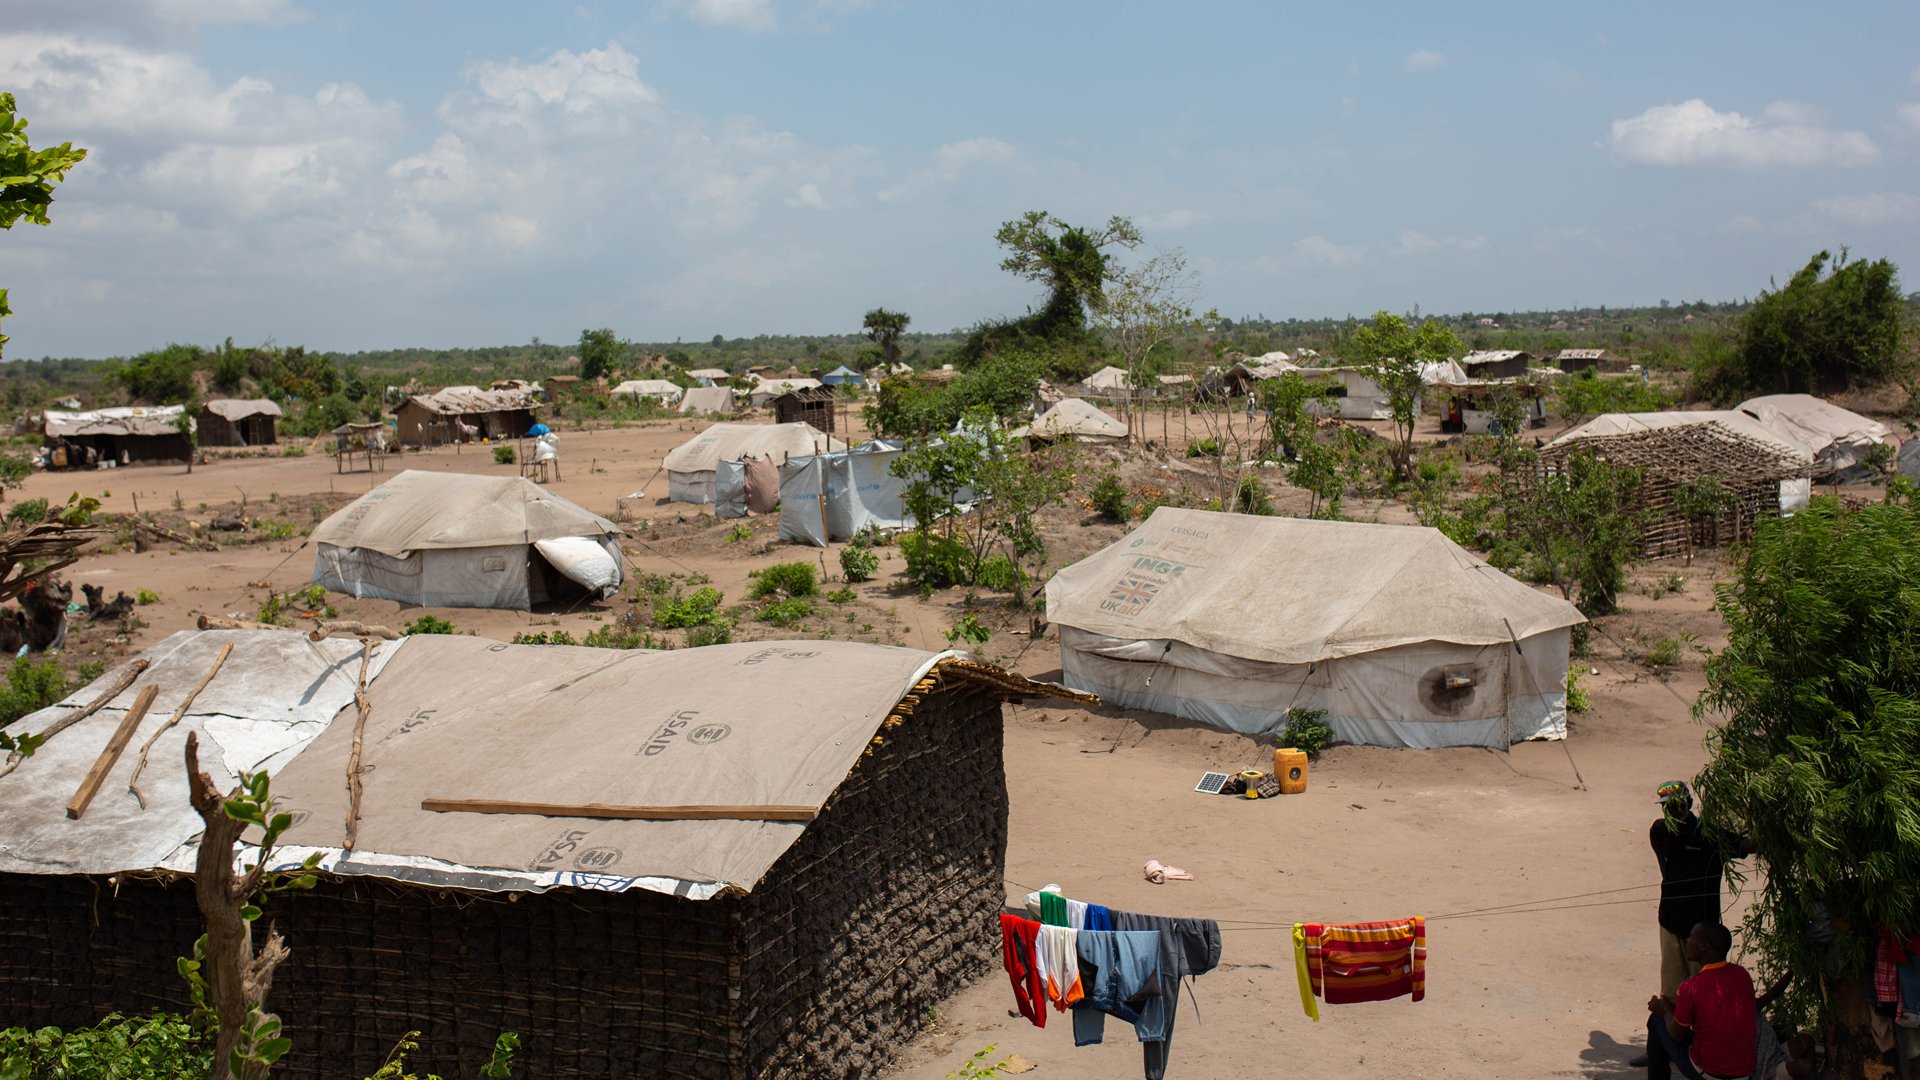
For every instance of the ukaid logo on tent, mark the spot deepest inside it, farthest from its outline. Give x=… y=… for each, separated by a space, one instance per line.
x=1136 y=589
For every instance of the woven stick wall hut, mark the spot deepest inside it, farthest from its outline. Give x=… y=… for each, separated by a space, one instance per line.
x=1747 y=470
x=819 y=966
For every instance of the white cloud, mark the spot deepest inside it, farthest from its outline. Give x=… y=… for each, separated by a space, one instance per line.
x=807 y=198
x=1422 y=60
x=1171 y=221
x=1319 y=249
x=1418 y=243
x=738 y=14
x=1909 y=114
x=965 y=153
x=950 y=161
x=1693 y=133
x=1871 y=208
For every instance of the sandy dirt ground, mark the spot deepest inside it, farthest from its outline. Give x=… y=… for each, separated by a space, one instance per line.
x=1096 y=792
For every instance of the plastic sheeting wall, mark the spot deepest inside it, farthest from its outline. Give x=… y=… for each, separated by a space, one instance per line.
x=860 y=490
x=487 y=577
x=1392 y=697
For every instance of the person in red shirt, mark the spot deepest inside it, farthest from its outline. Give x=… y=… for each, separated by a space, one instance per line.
x=1708 y=1029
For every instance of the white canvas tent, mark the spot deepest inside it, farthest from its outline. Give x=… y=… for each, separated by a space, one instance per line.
x=709 y=375
x=1362 y=398
x=456 y=540
x=690 y=466
x=1108 y=381
x=830 y=497
x=1839 y=438
x=1072 y=418
x=707 y=399
x=660 y=390
x=1401 y=635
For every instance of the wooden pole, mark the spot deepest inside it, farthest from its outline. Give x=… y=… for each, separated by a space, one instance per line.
x=359 y=735
x=90 y=784
x=710 y=812
x=133 y=782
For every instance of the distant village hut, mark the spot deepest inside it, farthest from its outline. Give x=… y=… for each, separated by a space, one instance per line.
x=708 y=399
x=1496 y=364
x=659 y=391
x=1706 y=477
x=830 y=891
x=121 y=436
x=764 y=391
x=233 y=422
x=841 y=376
x=809 y=405
x=1599 y=361
x=463 y=414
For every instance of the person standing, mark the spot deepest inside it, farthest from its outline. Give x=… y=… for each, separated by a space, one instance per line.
x=1708 y=1029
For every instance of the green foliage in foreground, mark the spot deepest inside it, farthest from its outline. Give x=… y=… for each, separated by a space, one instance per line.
x=1819 y=688
x=1306 y=730
x=117 y=1048
x=428 y=624
x=31 y=686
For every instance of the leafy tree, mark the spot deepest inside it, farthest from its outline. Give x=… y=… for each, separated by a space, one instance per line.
x=1580 y=521
x=1586 y=395
x=1003 y=385
x=1819 y=685
x=1835 y=324
x=600 y=353
x=161 y=376
x=27 y=177
x=1391 y=351
x=1147 y=306
x=1073 y=265
x=885 y=328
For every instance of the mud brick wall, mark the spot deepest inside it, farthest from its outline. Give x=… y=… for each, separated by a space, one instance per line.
x=884 y=909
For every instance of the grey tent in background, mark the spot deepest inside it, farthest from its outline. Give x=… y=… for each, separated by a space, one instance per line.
x=707 y=399
x=829 y=497
x=1841 y=440
x=456 y=540
x=690 y=466
x=1400 y=634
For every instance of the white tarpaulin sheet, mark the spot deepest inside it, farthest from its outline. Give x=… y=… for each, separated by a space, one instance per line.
x=1072 y=418
x=833 y=496
x=275 y=694
x=1839 y=438
x=466 y=718
x=1231 y=619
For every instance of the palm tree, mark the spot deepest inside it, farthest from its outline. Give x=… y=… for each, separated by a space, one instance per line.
x=885 y=327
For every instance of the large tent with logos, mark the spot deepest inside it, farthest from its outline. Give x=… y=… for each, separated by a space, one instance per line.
x=457 y=540
x=1402 y=636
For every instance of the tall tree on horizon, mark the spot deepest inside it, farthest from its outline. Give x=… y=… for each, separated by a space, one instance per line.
x=885 y=328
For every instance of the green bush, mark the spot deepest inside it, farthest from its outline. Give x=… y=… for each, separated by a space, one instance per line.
x=1578 y=700
x=1306 y=730
x=998 y=573
x=858 y=564
x=31 y=687
x=1251 y=496
x=789 y=579
x=1208 y=447
x=934 y=561
x=28 y=512
x=970 y=630
x=428 y=624
x=618 y=636
x=277 y=529
x=129 y=1047
x=1109 y=498
x=544 y=637
x=788 y=613
x=144 y=597
x=713 y=633
x=700 y=609
x=842 y=596
x=503 y=454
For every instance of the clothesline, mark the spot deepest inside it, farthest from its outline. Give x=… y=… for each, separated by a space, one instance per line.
x=1484 y=914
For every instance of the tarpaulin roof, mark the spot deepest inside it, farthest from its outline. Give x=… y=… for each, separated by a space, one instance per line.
x=241 y=408
x=710 y=373
x=465 y=400
x=1074 y=418
x=1838 y=437
x=424 y=511
x=731 y=442
x=124 y=420
x=1107 y=378
x=648 y=388
x=461 y=717
x=1731 y=420
x=1295 y=591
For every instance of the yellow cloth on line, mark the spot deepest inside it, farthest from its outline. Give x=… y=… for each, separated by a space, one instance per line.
x=1307 y=1001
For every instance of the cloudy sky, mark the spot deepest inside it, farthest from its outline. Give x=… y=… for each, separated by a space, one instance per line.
x=352 y=174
